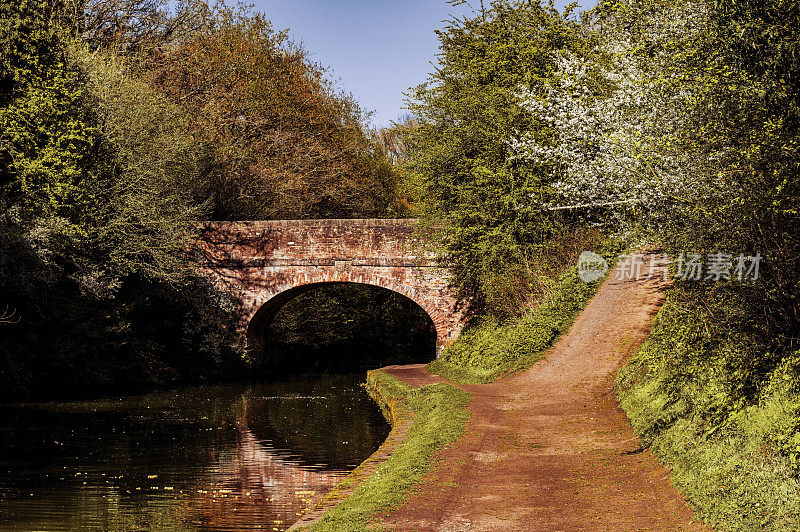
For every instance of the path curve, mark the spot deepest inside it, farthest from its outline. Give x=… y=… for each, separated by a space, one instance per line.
x=550 y=449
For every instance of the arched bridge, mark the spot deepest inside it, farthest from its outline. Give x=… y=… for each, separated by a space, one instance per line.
x=267 y=263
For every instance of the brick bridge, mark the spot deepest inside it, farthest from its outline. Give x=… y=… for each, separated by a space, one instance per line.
x=267 y=263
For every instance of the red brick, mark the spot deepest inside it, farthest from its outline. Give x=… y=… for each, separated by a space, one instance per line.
x=256 y=262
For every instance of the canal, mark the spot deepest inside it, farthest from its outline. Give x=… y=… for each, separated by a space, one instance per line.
x=225 y=457
x=243 y=457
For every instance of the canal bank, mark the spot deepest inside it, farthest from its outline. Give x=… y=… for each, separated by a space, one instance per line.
x=424 y=421
x=547 y=448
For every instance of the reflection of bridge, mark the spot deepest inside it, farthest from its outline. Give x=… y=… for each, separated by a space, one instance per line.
x=251 y=483
x=267 y=263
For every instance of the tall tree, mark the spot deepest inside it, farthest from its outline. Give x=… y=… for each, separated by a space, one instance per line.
x=94 y=168
x=485 y=204
x=288 y=144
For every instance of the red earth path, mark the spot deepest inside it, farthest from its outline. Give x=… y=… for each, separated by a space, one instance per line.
x=549 y=449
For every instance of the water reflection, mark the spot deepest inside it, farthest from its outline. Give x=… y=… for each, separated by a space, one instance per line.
x=208 y=458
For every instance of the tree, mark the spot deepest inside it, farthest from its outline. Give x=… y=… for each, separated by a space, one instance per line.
x=47 y=138
x=683 y=123
x=618 y=145
x=137 y=28
x=287 y=144
x=485 y=205
x=686 y=117
x=94 y=169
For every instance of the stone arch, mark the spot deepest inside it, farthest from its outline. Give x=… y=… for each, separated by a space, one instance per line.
x=264 y=304
x=256 y=261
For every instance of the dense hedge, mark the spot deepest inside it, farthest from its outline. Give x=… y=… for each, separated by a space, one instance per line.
x=721 y=415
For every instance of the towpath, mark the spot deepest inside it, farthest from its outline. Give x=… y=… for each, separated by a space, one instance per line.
x=550 y=449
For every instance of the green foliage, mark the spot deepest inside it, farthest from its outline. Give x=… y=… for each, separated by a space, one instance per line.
x=724 y=416
x=735 y=124
x=92 y=166
x=149 y=205
x=488 y=349
x=484 y=206
x=47 y=137
x=439 y=418
x=94 y=169
x=745 y=119
x=714 y=389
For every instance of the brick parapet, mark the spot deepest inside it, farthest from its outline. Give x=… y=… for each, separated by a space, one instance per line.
x=259 y=261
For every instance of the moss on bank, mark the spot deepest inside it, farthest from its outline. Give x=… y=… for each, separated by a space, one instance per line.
x=489 y=349
x=439 y=417
x=734 y=457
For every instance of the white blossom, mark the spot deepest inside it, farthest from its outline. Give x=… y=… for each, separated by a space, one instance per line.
x=615 y=122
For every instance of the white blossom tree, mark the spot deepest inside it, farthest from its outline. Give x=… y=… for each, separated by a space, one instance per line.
x=618 y=120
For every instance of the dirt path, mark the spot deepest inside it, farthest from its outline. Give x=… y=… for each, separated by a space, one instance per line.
x=549 y=448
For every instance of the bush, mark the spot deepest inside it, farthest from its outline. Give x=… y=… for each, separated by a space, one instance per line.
x=725 y=418
x=488 y=349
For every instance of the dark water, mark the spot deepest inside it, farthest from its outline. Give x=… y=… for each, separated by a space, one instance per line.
x=250 y=457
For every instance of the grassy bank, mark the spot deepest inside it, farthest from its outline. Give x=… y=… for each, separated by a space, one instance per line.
x=488 y=349
x=733 y=449
x=439 y=417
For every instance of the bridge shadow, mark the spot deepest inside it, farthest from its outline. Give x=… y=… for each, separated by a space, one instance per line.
x=339 y=327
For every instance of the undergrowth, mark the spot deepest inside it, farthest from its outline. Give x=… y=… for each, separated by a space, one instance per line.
x=439 y=417
x=722 y=415
x=489 y=349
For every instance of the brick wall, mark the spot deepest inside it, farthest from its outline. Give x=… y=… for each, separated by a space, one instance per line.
x=266 y=263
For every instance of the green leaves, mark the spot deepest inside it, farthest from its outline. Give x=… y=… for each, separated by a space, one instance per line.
x=96 y=174
x=482 y=203
x=46 y=134
x=718 y=409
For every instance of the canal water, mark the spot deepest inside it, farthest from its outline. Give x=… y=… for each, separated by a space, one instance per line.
x=244 y=457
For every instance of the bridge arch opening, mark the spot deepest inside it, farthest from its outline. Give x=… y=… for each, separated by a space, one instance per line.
x=339 y=327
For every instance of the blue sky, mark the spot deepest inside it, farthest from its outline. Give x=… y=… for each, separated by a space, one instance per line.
x=375 y=49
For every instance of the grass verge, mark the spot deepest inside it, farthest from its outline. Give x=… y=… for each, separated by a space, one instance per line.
x=438 y=417
x=735 y=459
x=488 y=349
